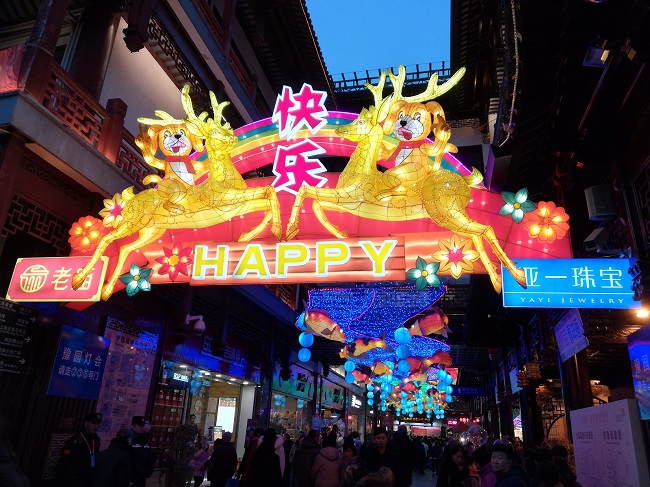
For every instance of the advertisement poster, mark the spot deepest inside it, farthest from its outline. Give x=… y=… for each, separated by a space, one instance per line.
x=570 y=335
x=79 y=364
x=608 y=445
x=638 y=345
x=125 y=388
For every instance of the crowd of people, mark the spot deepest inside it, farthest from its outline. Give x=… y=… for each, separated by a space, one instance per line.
x=327 y=459
x=127 y=462
x=316 y=459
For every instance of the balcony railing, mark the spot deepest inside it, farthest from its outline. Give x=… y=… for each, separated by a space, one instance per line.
x=83 y=115
x=418 y=73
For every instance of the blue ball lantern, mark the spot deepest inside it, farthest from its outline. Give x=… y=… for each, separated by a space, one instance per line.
x=304 y=354
x=370 y=387
x=403 y=366
x=449 y=379
x=306 y=339
x=402 y=336
x=349 y=378
x=371 y=402
x=448 y=398
x=402 y=352
x=349 y=366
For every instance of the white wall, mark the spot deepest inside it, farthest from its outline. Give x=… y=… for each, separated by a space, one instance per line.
x=138 y=79
x=245 y=413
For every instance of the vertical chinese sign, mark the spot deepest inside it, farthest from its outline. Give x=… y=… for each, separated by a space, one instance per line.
x=79 y=365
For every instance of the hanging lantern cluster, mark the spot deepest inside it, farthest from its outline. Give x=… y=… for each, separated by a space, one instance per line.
x=279 y=401
x=306 y=340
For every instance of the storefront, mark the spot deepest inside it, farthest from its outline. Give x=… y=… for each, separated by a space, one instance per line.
x=371 y=422
x=355 y=407
x=332 y=404
x=293 y=401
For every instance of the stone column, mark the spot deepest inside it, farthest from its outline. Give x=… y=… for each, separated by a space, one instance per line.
x=39 y=49
x=94 y=46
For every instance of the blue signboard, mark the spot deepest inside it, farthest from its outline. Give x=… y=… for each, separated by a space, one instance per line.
x=468 y=391
x=79 y=364
x=571 y=283
x=638 y=344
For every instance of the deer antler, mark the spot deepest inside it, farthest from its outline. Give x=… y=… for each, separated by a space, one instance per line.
x=197 y=125
x=164 y=118
x=377 y=91
x=381 y=104
x=217 y=109
x=433 y=90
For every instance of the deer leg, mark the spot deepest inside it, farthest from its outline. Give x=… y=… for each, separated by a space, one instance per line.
x=117 y=233
x=329 y=226
x=264 y=198
x=458 y=221
x=147 y=235
x=292 y=227
x=487 y=263
x=518 y=274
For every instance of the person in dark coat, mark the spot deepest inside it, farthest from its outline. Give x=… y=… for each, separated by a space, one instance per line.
x=508 y=472
x=368 y=472
x=114 y=464
x=10 y=475
x=76 y=466
x=223 y=461
x=303 y=460
x=265 y=471
x=142 y=458
x=244 y=471
x=453 y=470
x=387 y=457
x=561 y=460
x=287 y=446
x=406 y=455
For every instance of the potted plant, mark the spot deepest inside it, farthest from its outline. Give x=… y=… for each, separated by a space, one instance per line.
x=176 y=464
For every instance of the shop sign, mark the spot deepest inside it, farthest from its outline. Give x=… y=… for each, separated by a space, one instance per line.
x=79 y=364
x=571 y=283
x=50 y=279
x=356 y=404
x=332 y=395
x=180 y=381
x=300 y=383
x=417 y=418
x=230 y=354
x=297 y=261
x=15 y=336
x=569 y=335
x=468 y=391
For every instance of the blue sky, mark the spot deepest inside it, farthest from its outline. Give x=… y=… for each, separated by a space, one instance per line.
x=355 y=35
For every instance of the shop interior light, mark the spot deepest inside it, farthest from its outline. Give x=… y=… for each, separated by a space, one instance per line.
x=217 y=375
x=183 y=366
x=642 y=313
x=232 y=379
x=245 y=383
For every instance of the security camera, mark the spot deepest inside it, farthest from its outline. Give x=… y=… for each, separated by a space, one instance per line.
x=199 y=324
